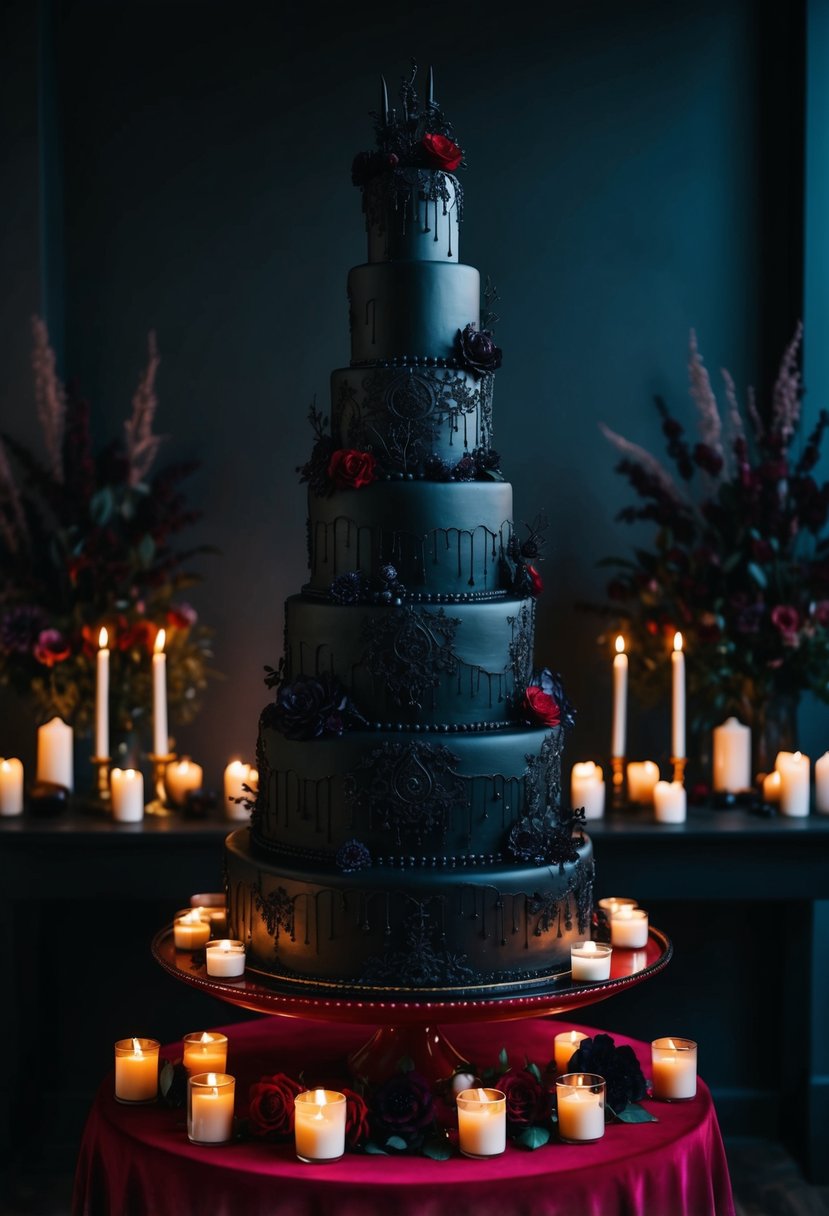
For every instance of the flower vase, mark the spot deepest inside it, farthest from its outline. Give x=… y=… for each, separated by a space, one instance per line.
x=773 y=729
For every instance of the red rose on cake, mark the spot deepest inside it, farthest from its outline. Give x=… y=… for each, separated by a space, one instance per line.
x=349 y=469
x=541 y=706
x=271 y=1111
x=441 y=153
x=536 y=581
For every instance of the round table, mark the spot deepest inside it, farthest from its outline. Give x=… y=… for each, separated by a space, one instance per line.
x=136 y=1160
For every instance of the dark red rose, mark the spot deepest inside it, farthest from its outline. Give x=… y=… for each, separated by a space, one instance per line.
x=441 y=153
x=51 y=647
x=141 y=635
x=541 y=706
x=536 y=581
x=356 y=1119
x=527 y=1100
x=821 y=613
x=349 y=469
x=271 y=1110
x=403 y=1105
x=181 y=616
x=786 y=620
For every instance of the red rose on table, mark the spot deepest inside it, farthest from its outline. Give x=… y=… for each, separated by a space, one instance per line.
x=527 y=1099
x=356 y=1119
x=271 y=1111
x=349 y=469
x=541 y=706
x=441 y=152
x=536 y=581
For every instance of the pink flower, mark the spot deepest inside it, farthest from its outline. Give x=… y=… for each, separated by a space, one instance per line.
x=786 y=620
x=51 y=647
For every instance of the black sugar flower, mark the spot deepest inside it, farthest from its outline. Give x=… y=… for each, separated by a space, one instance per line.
x=353 y=855
x=477 y=351
x=311 y=706
x=618 y=1065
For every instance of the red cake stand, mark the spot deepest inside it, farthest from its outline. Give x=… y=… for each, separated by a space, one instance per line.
x=410 y=1027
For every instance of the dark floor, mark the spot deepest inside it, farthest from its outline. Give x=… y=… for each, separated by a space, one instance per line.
x=766 y=1182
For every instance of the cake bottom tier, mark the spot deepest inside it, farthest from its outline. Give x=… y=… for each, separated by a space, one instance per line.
x=384 y=931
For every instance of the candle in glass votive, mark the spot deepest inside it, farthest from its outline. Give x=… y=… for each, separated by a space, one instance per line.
x=564 y=1045
x=191 y=931
x=11 y=787
x=127 y=791
x=822 y=783
x=732 y=757
x=225 y=957
x=205 y=1051
x=674 y=1063
x=670 y=802
x=54 y=753
x=319 y=1125
x=136 y=1070
x=794 y=784
x=589 y=962
x=210 y=1100
x=611 y=903
x=629 y=928
x=587 y=789
x=580 y=1100
x=482 y=1122
x=180 y=777
x=642 y=776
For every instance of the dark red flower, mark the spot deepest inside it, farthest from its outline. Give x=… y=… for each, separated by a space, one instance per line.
x=441 y=153
x=821 y=613
x=181 y=616
x=140 y=636
x=527 y=1100
x=349 y=468
x=786 y=620
x=403 y=1105
x=536 y=581
x=541 y=706
x=51 y=647
x=271 y=1110
x=356 y=1119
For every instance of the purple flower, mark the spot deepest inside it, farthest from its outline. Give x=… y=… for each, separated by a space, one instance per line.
x=353 y=855
x=311 y=706
x=19 y=628
x=403 y=1106
x=477 y=350
x=51 y=647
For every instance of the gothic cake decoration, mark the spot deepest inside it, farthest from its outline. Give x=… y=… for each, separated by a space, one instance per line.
x=410 y=650
x=408 y=789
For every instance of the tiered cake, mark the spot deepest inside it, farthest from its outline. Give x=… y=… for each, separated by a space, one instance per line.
x=408 y=835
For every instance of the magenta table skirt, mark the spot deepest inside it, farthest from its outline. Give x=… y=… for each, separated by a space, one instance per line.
x=137 y=1161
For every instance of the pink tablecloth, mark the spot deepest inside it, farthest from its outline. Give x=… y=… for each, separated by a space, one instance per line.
x=137 y=1161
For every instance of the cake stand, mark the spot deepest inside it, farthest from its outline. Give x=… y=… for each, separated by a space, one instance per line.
x=410 y=1026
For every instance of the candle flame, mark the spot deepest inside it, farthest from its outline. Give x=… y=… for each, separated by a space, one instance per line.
x=624 y=912
x=620 y=644
x=797 y=757
x=103 y=638
x=677 y=641
x=206 y=1038
x=672 y=1045
x=482 y=1095
x=211 y=1078
x=589 y=947
x=320 y=1098
x=191 y=918
x=160 y=639
x=5 y=766
x=136 y=1049
x=574 y=1036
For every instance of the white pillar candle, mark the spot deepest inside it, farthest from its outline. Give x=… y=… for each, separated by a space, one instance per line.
x=732 y=757
x=564 y=1045
x=674 y=1064
x=781 y=758
x=794 y=785
x=205 y=1052
x=822 y=783
x=319 y=1125
x=11 y=787
x=210 y=1100
x=589 y=962
x=620 y=699
x=482 y=1122
x=587 y=789
x=136 y=1070
x=238 y=774
x=629 y=928
x=670 y=802
x=54 y=753
x=771 y=786
x=102 y=697
x=580 y=1101
x=127 y=790
x=678 y=699
x=191 y=931
x=642 y=777
x=225 y=957
x=180 y=777
x=161 y=740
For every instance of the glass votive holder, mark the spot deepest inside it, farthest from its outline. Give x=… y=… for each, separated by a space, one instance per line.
x=319 y=1125
x=191 y=929
x=136 y=1070
x=580 y=1099
x=482 y=1122
x=225 y=958
x=674 y=1066
x=611 y=903
x=564 y=1045
x=629 y=928
x=211 y=1097
x=590 y=962
x=204 y=1051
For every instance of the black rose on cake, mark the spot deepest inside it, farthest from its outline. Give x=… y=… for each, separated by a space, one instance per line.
x=618 y=1065
x=352 y=855
x=476 y=350
x=348 y=588
x=544 y=839
x=309 y=707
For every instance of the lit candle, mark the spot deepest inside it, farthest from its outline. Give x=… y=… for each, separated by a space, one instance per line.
x=54 y=753
x=587 y=789
x=732 y=756
x=564 y=1045
x=102 y=697
x=642 y=777
x=210 y=1100
x=794 y=785
x=236 y=775
x=670 y=802
x=191 y=931
x=482 y=1122
x=678 y=699
x=136 y=1070
x=674 y=1063
x=589 y=962
x=127 y=789
x=11 y=787
x=319 y=1125
x=620 y=699
x=205 y=1052
x=771 y=786
x=629 y=928
x=225 y=957
x=580 y=1100
x=611 y=902
x=821 y=783
x=161 y=741
x=180 y=777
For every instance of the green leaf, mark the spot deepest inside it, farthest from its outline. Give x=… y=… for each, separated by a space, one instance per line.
x=503 y=1059
x=633 y=1113
x=405 y=1064
x=101 y=506
x=375 y=1150
x=145 y=550
x=398 y=1143
x=534 y=1069
x=533 y=1137
x=757 y=574
x=438 y=1149
x=165 y=1078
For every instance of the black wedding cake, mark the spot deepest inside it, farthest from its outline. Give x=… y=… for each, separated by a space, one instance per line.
x=408 y=836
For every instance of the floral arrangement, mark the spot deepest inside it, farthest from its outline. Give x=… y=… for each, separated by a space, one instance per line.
x=87 y=540
x=739 y=560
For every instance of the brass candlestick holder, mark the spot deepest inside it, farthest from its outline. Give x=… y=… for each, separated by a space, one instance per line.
x=618 y=797
x=160 y=804
x=101 y=793
x=678 y=765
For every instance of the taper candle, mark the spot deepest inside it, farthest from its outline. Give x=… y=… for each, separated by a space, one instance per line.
x=678 y=699
x=161 y=741
x=620 y=699
x=102 y=696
